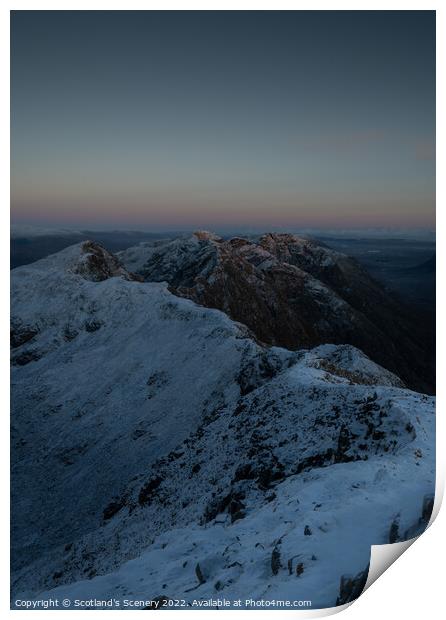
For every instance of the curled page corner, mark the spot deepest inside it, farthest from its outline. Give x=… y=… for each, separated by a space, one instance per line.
x=383 y=556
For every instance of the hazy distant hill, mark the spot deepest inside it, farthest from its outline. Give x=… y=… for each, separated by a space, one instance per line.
x=27 y=248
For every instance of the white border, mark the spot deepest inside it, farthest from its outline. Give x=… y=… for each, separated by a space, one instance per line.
x=414 y=587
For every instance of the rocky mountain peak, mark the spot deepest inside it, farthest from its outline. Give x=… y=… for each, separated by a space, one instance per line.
x=299 y=250
x=273 y=240
x=205 y=235
x=97 y=264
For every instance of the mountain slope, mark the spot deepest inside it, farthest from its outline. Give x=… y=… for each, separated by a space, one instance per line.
x=152 y=436
x=291 y=292
x=107 y=375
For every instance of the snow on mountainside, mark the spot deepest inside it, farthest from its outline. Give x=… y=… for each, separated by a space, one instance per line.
x=160 y=450
x=291 y=292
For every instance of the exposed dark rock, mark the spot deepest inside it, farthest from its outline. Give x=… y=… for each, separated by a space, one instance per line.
x=343 y=445
x=275 y=561
x=421 y=524
x=316 y=460
x=428 y=507
x=299 y=569
x=93 y=326
x=21 y=334
x=351 y=587
x=291 y=564
x=113 y=508
x=174 y=455
x=69 y=456
x=236 y=506
x=269 y=475
x=69 y=333
x=244 y=472
x=139 y=432
x=239 y=409
x=199 y=574
x=30 y=355
x=256 y=372
x=155 y=382
x=394 y=535
x=231 y=502
x=148 y=491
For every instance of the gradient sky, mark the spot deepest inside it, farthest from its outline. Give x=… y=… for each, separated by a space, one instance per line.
x=179 y=120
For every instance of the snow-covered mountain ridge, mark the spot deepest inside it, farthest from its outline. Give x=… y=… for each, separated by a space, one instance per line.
x=152 y=436
x=291 y=292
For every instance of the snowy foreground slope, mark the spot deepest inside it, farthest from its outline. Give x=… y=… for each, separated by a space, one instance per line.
x=160 y=451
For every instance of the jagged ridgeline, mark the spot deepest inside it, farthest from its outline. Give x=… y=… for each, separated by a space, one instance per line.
x=291 y=292
x=165 y=449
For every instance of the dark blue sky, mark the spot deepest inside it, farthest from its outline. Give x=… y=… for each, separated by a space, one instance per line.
x=223 y=119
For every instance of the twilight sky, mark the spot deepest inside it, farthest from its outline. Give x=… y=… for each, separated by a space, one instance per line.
x=223 y=120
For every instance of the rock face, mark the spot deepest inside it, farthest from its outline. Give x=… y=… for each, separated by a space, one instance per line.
x=291 y=292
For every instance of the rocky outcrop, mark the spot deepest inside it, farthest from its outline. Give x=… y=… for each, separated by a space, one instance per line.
x=351 y=587
x=97 y=264
x=21 y=334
